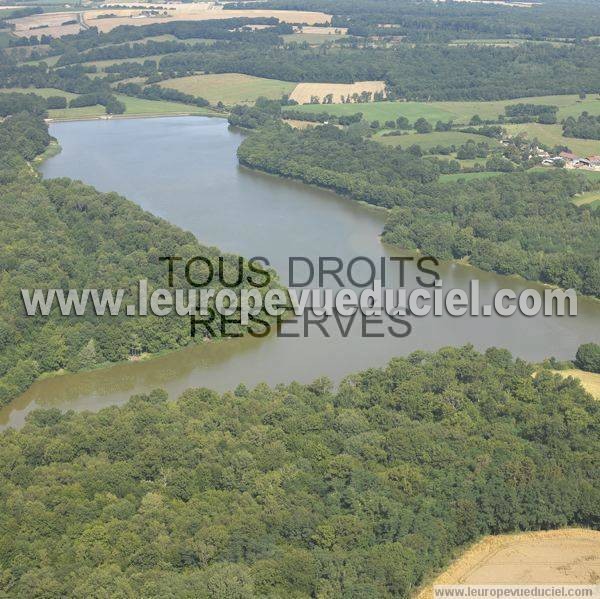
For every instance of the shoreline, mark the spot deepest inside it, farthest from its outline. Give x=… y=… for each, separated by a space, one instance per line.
x=56 y=148
x=382 y=209
x=123 y=117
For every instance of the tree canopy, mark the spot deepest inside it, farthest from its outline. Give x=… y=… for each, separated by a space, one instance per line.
x=296 y=490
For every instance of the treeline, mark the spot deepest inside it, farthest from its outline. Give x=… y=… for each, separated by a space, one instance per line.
x=523 y=224
x=109 y=101
x=72 y=78
x=215 y=29
x=322 y=117
x=120 y=51
x=531 y=113
x=298 y=490
x=585 y=126
x=428 y=72
x=155 y=92
x=252 y=117
x=443 y=21
x=23 y=136
x=61 y=234
x=14 y=102
x=423 y=72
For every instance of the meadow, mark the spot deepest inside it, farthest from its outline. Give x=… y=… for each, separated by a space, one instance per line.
x=459 y=112
x=589 y=197
x=133 y=106
x=230 y=88
x=551 y=135
x=436 y=138
x=45 y=92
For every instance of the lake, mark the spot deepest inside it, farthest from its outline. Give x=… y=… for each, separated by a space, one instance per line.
x=185 y=170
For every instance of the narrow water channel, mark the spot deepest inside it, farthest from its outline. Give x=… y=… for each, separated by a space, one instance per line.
x=185 y=170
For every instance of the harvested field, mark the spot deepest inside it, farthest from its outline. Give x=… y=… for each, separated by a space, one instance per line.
x=570 y=556
x=196 y=12
x=230 y=88
x=304 y=92
x=47 y=24
x=590 y=381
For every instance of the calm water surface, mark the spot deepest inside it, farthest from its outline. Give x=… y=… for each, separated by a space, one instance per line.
x=185 y=170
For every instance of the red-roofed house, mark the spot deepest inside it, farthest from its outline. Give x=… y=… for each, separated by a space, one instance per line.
x=568 y=156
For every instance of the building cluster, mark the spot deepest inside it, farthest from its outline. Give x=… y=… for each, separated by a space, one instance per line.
x=570 y=160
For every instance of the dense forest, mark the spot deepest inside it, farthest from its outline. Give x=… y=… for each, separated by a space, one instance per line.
x=586 y=126
x=66 y=235
x=442 y=21
x=429 y=72
x=363 y=491
x=421 y=72
x=522 y=224
x=297 y=490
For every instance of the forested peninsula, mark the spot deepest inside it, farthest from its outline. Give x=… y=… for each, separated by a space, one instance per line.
x=62 y=234
x=517 y=223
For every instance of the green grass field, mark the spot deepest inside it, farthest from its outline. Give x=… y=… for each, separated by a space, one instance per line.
x=591 y=175
x=102 y=64
x=134 y=106
x=588 y=197
x=50 y=61
x=459 y=112
x=429 y=140
x=383 y=111
x=45 y=92
x=551 y=135
x=230 y=88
